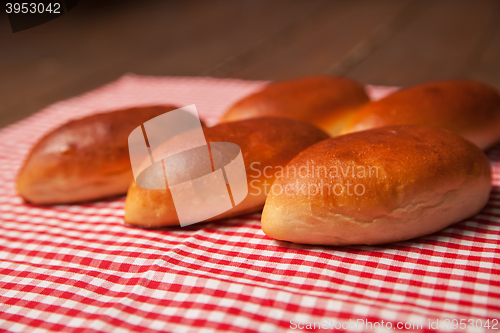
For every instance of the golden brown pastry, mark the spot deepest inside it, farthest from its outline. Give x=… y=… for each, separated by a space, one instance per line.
x=85 y=159
x=265 y=143
x=378 y=186
x=325 y=101
x=468 y=108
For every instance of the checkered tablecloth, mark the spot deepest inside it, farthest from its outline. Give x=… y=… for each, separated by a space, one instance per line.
x=74 y=267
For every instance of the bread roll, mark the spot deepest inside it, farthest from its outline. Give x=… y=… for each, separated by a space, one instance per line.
x=378 y=186
x=324 y=101
x=85 y=159
x=264 y=142
x=468 y=108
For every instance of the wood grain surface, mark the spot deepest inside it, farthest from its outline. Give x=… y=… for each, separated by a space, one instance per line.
x=385 y=42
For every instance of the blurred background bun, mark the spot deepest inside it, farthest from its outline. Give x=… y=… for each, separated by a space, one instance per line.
x=466 y=107
x=325 y=101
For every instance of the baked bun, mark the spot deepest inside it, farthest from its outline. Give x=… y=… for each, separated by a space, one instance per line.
x=468 y=108
x=324 y=101
x=264 y=143
x=85 y=159
x=378 y=186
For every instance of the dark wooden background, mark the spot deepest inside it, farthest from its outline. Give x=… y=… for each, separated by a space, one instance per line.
x=388 y=42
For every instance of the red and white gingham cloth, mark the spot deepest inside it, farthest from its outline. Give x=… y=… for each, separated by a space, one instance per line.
x=65 y=268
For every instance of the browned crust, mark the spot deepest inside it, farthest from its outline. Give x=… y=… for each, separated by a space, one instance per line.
x=468 y=108
x=426 y=179
x=324 y=101
x=266 y=142
x=84 y=159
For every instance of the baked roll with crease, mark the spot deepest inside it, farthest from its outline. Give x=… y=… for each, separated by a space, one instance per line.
x=378 y=186
x=85 y=159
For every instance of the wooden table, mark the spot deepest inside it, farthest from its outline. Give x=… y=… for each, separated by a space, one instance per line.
x=388 y=42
